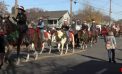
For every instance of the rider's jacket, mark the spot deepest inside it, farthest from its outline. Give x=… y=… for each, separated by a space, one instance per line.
x=21 y=18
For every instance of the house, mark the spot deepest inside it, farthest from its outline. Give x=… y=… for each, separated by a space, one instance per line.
x=56 y=18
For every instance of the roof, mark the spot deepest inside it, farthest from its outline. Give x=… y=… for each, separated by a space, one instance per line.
x=54 y=14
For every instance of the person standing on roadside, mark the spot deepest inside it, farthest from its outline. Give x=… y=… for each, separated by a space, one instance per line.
x=111 y=46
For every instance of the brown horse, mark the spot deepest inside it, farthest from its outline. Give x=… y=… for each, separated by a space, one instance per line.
x=2 y=42
x=83 y=36
x=14 y=36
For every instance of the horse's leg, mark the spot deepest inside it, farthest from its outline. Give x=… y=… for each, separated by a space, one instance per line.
x=7 y=51
x=34 y=49
x=1 y=59
x=62 y=47
x=83 y=46
x=43 y=46
x=86 y=45
x=18 y=54
x=18 y=48
x=59 y=45
x=2 y=51
x=90 y=40
x=73 y=44
x=28 y=55
x=50 y=49
x=66 y=48
x=49 y=42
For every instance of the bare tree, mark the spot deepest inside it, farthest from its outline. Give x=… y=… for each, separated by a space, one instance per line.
x=3 y=8
x=34 y=13
x=88 y=13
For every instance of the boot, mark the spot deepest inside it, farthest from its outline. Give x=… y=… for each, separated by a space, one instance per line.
x=109 y=60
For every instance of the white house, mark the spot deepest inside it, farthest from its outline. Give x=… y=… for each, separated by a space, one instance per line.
x=56 y=18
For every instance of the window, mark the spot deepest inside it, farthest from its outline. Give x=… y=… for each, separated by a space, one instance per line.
x=50 y=21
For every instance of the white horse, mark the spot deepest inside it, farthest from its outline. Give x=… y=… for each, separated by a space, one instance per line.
x=61 y=39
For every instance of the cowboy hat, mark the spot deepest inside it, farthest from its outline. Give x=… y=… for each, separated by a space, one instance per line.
x=21 y=8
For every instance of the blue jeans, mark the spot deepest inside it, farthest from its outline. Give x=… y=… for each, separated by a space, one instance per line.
x=111 y=54
x=41 y=34
x=67 y=32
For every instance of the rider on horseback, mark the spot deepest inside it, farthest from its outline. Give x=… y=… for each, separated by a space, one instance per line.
x=21 y=20
x=85 y=26
x=93 y=26
x=94 y=31
x=65 y=27
x=41 y=27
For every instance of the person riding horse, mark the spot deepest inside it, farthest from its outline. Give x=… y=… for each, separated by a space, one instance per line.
x=41 y=27
x=85 y=26
x=22 y=28
x=21 y=20
x=93 y=26
x=65 y=27
x=78 y=27
x=93 y=30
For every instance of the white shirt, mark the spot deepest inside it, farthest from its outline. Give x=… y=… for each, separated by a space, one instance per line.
x=78 y=27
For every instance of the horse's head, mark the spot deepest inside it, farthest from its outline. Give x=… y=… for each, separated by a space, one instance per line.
x=8 y=25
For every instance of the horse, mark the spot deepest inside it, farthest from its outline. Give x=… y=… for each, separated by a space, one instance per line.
x=34 y=37
x=84 y=37
x=2 y=42
x=59 y=36
x=15 y=37
x=47 y=39
x=70 y=40
x=94 y=36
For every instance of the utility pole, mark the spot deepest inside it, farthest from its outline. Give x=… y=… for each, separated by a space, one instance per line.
x=16 y=6
x=71 y=11
x=110 y=13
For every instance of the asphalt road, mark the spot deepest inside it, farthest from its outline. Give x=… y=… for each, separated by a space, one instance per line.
x=92 y=61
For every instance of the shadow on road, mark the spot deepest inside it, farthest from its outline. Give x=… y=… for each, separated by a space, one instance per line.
x=95 y=67
x=119 y=49
x=119 y=59
x=8 y=68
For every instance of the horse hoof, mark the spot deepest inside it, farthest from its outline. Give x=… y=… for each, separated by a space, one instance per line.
x=36 y=56
x=61 y=53
x=73 y=51
x=18 y=63
x=27 y=60
x=40 y=53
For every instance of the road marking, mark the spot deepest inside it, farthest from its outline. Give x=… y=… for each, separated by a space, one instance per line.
x=101 y=71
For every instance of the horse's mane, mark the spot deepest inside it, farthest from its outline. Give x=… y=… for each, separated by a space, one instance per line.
x=10 y=27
